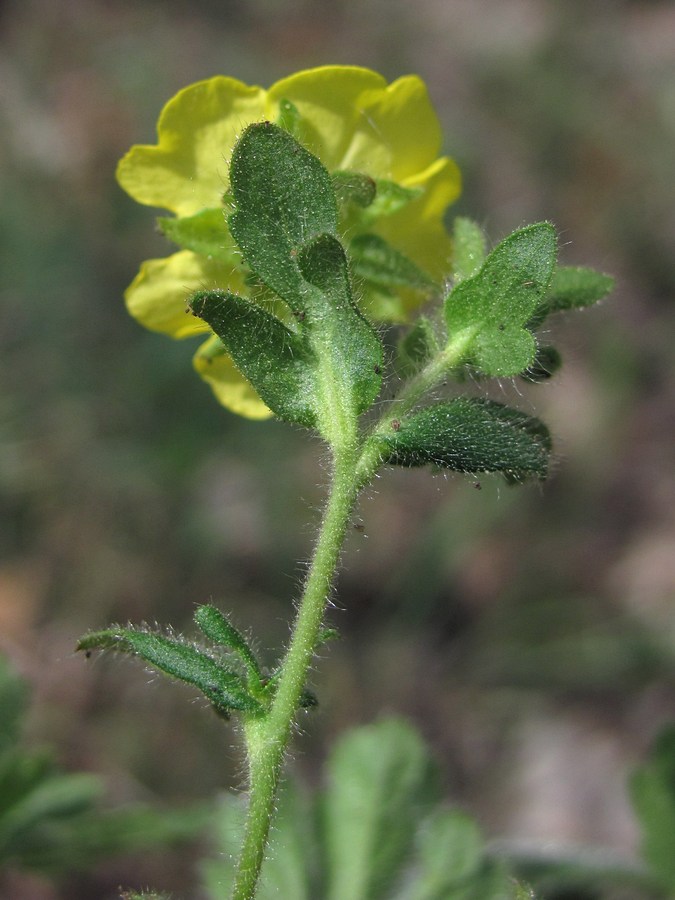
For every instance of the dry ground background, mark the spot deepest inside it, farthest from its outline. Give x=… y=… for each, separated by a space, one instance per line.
x=529 y=634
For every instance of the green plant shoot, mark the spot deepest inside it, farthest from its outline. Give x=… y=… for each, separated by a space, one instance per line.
x=328 y=220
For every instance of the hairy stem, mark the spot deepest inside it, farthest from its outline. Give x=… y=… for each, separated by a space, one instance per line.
x=267 y=738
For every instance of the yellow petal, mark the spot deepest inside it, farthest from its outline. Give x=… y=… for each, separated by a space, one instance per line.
x=187 y=170
x=230 y=387
x=327 y=100
x=418 y=229
x=157 y=295
x=397 y=133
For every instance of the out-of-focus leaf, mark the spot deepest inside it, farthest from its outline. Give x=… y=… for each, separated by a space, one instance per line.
x=468 y=248
x=378 y=779
x=653 y=795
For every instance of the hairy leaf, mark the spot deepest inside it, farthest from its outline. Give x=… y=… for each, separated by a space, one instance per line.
x=575 y=287
x=486 y=313
x=471 y=435
x=546 y=363
x=284 y=198
x=185 y=662
x=338 y=333
x=274 y=359
x=213 y=624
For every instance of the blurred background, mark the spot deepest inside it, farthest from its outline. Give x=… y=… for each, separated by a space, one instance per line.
x=529 y=633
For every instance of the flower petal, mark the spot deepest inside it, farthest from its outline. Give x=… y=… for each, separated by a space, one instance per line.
x=327 y=100
x=418 y=230
x=187 y=170
x=157 y=295
x=232 y=390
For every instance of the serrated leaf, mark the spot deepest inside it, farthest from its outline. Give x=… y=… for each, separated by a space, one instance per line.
x=468 y=248
x=284 y=198
x=378 y=779
x=575 y=287
x=223 y=688
x=471 y=435
x=417 y=346
x=274 y=359
x=205 y=233
x=486 y=313
x=375 y=260
x=215 y=626
x=653 y=794
x=338 y=332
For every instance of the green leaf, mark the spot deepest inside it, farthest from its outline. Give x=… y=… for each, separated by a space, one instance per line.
x=13 y=700
x=450 y=855
x=653 y=794
x=289 y=118
x=375 y=260
x=546 y=363
x=471 y=435
x=417 y=346
x=486 y=313
x=390 y=197
x=575 y=287
x=378 y=780
x=468 y=248
x=213 y=624
x=205 y=233
x=185 y=662
x=353 y=188
x=284 y=198
x=274 y=359
x=339 y=334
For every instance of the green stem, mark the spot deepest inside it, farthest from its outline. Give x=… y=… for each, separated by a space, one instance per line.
x=425 y=381
x=267 y=738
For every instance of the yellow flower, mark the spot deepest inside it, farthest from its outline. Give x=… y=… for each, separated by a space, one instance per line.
x=352 y=120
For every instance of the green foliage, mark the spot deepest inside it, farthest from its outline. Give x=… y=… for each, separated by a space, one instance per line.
x=204 y=233
x=653 y=794
x=471 y=435
x=275 y=184
x=326 y=370
x=468 y=248
x=376 y=261
x=489 y=311
x=417 y=347
x=228 y=674
x=53 y=823
x=276 y=361
x=376 y=831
